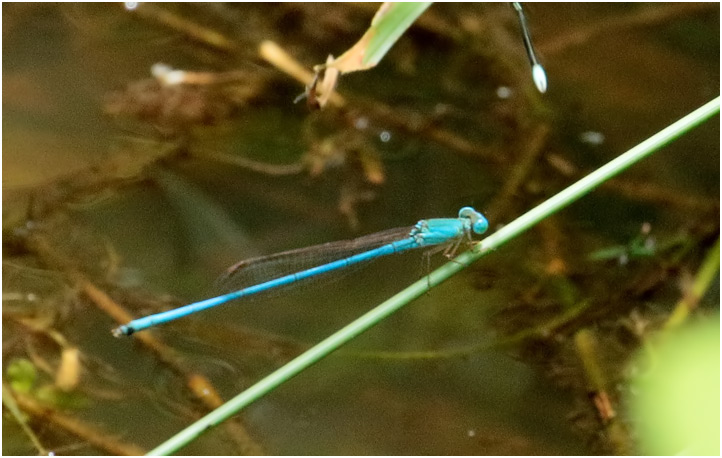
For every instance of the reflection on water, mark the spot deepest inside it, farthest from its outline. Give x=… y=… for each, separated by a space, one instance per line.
x=113 y=184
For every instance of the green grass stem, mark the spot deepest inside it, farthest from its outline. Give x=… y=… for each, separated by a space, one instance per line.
x=390 y=306
x=702 y=281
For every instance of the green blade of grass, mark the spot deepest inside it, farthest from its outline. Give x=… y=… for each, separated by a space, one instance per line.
x=12 y=406
x=390 y=22
x=395 y=303
x=388 y=26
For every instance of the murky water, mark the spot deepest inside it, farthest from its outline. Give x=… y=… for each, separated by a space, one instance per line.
x=150 y=209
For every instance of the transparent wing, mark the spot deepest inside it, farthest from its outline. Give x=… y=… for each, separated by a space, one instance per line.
x=261 y=269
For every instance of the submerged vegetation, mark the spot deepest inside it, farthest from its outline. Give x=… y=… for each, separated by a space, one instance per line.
x=146 y=148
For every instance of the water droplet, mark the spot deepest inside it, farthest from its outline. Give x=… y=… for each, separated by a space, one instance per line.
x=503 y=92
x=361 y=123
x=592 y=138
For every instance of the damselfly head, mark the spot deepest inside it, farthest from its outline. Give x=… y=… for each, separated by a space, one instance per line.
x=479 y=224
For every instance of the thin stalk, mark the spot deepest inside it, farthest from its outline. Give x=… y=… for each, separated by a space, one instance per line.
x=395 y=303
x=702 y=281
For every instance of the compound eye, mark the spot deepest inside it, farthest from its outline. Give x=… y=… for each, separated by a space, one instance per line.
x=480 y=225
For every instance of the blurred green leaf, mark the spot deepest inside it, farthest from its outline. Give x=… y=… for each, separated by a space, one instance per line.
x=52 y=396
x=675 y=405
x=21 y=374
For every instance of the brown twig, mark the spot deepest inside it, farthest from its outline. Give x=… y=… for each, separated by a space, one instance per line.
x=199 y=385
x=647 y=16
x=249 y=164
x=97 y=437
x=533 y=147
x=182 y=25
x=586 y=347
x=660 y=195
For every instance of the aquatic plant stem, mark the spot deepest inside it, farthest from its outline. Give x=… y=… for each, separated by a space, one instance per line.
x=702 y=281
x=390 y=306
